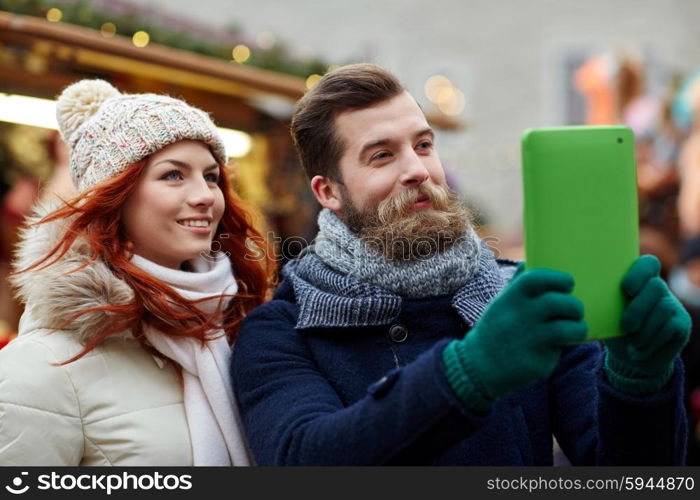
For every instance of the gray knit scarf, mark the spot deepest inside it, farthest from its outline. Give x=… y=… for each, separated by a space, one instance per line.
x=439 y=274
x=329 y=296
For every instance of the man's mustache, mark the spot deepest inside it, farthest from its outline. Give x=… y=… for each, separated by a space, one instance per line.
x=400 y=204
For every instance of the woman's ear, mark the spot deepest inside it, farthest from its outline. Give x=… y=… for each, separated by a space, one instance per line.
x=327 y=192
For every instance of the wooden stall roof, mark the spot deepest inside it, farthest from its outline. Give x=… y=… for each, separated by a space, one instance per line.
x=59 y=54
x=53 y=55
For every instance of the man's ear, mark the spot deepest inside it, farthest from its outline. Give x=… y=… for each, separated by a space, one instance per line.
x=327 y=192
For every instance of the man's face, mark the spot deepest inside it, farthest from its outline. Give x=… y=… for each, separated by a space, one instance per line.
x=393 y=193
x=389 y=149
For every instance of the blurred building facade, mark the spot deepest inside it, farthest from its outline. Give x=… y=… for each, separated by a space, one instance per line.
x=511 y=59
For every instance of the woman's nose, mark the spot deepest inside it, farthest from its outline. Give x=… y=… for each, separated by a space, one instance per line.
x=200 y=194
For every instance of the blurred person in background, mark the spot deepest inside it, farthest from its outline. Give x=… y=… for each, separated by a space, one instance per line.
x=32 y=160
x=689 y=159
x=685 y=279
x=398 y=337
x=658 y=184
x=15 y=205
x=657 y=143
x=124 y=345
x=615 y=88
x=59 y=185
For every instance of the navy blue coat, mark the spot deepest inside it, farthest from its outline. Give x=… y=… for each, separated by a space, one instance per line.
x=368 y=396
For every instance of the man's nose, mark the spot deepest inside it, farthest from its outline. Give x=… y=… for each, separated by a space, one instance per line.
x=415 y=172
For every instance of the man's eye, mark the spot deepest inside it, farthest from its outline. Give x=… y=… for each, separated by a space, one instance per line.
x=173 y=175
x=425 y=145
x=381 y=155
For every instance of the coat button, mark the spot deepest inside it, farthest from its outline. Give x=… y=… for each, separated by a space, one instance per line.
x=398 y=333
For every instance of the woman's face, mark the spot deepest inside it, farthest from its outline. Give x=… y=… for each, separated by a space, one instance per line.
x=172 y=215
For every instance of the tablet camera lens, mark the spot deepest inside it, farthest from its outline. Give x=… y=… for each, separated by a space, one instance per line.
x=619 y=140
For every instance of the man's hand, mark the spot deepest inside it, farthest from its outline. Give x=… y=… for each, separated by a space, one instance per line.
x=657 y=328
x=518 y=339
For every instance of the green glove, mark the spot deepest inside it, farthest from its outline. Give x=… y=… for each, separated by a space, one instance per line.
x=657 y=328
x=517 y=340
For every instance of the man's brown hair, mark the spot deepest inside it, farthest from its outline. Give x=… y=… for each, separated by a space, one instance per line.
x=355 y=86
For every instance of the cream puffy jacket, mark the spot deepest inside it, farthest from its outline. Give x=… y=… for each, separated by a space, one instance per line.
x=117 y=405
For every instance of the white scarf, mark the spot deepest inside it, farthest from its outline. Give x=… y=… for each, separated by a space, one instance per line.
x=212 y=417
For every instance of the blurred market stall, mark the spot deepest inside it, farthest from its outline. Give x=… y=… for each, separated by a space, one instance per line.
x=39 y=57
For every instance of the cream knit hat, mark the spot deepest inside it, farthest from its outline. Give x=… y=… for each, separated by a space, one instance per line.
x=107 y=131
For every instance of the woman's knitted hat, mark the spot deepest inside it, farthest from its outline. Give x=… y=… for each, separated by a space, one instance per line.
x=107 y=131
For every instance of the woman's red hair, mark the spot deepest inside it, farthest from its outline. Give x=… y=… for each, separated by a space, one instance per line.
x=92 y=216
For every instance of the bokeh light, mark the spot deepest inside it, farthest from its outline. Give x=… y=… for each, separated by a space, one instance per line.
x=108 y=30
x=54 y=15
x=140 y=39
x=240 y=53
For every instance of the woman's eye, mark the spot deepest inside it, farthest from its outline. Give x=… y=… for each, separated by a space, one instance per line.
x=425 y=145
x=214 y=178
x=173 y=175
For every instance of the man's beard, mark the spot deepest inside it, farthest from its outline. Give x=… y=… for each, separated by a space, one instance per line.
x=399 y=233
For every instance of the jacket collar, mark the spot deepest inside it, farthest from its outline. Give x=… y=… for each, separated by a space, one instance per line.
x=54 y=294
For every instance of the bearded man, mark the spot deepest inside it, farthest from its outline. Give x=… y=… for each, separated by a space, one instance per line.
x=398 y=337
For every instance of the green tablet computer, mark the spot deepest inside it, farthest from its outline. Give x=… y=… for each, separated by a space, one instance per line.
x=581 y=215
